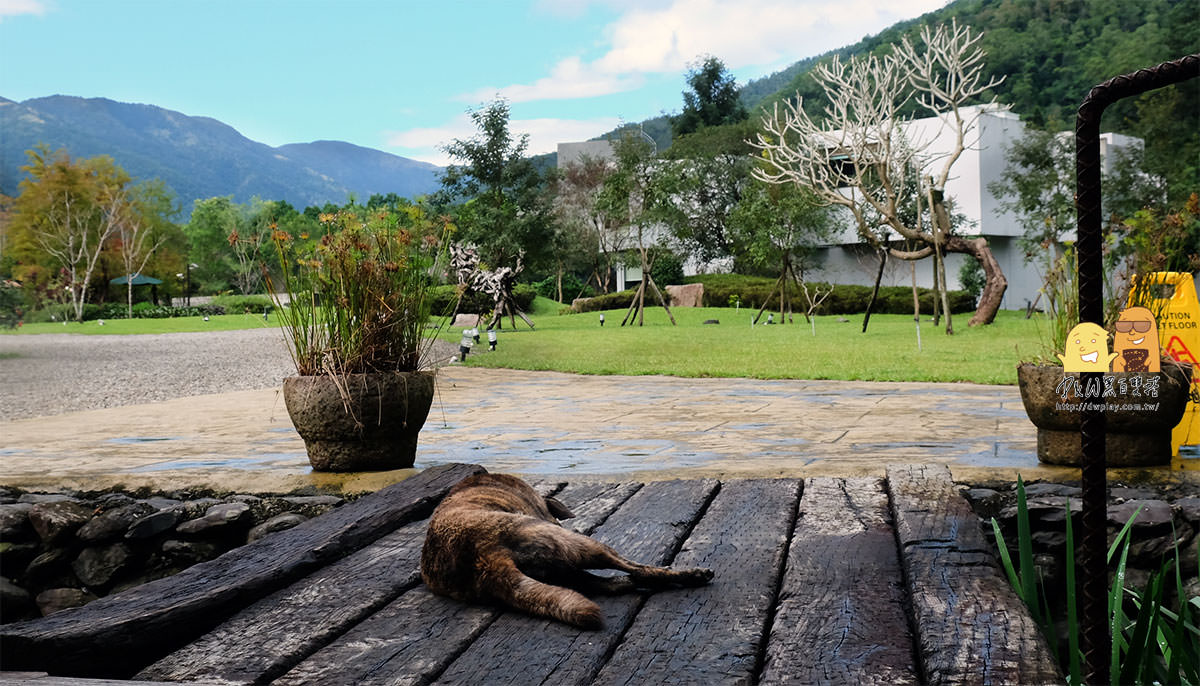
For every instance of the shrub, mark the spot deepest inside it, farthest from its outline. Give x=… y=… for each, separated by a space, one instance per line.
x=571 y=285
x=442 y=299
x=752 y=291
x=10 y=306
x=616 y=301
x=244 y=304
x=971 y=276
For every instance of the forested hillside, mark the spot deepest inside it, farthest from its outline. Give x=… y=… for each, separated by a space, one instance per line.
x=1050 y=53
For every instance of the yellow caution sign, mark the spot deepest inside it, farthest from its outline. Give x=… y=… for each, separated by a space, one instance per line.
x=1178 y=318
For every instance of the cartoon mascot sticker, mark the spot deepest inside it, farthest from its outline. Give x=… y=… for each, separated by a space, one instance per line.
x=1136 y=342
x=1087 y=349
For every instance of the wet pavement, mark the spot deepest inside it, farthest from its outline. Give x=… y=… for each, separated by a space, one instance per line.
x=545 y=424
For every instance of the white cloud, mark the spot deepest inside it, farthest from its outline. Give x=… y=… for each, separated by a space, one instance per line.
x=12 y=8
x=545 y=134
x=667 y=37
x=570 y=79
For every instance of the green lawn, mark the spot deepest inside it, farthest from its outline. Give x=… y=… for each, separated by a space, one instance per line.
x=887 y=352
x=224 y=322
x=577 y=343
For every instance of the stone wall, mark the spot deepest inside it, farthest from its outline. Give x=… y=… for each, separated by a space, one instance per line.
x=63 y=550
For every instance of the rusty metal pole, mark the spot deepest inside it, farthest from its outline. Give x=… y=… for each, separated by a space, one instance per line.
x=1095 y=639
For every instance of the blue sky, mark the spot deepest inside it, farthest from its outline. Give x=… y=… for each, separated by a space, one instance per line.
x=401 y=76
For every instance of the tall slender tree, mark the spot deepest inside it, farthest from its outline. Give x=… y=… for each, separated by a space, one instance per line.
x=497 y=194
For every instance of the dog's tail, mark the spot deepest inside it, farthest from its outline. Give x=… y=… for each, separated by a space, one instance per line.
x=512 y=587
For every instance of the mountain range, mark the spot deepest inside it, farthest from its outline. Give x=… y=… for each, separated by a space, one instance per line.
x=200 y=157
x=1049 y=53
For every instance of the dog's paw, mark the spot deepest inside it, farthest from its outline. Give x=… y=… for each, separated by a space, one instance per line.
x=695 y=577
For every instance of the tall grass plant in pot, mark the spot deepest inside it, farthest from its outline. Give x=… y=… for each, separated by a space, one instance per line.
x=355 y=316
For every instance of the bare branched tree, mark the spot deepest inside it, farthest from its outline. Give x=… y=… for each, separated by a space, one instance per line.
x=859 y=156
x=73 y=236
x=133 y=232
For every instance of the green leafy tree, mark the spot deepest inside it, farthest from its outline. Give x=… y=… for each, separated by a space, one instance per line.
x=67 y=213
x=504 y=208
x=780 y=227
x=213 y=221
x=713 y=99
x=632 y=197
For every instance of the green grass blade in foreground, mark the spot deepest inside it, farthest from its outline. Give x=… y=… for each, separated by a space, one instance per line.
x=1116 y=613
x=1025 y=550
x=1006 y=559
x=1134 y=664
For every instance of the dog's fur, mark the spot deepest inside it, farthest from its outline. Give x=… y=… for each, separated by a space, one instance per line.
x=496 y=539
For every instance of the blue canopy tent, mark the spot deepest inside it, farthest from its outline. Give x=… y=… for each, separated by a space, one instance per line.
x=139 y=280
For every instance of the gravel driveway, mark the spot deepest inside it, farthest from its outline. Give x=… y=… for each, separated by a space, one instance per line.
x=56 y=373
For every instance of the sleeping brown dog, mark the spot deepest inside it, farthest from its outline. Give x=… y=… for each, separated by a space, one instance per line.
x=496 y=539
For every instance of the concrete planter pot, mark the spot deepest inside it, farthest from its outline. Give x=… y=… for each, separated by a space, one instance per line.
x=373 y=428
x=1134 y=436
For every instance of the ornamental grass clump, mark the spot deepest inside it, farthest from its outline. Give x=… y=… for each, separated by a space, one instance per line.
x=358 y=297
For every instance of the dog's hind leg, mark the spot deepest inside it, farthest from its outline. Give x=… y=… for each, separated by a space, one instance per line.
x=504 y=581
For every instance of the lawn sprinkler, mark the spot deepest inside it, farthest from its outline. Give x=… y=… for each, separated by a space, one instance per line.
x=492 y=339
x=464 y=346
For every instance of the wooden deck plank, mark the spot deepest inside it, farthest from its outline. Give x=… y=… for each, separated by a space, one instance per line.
x=713 y=634
x=274 y=634
x=971 y=627
x=119 y=634
x=523 y=650
x=840 y=617
x=412 y=639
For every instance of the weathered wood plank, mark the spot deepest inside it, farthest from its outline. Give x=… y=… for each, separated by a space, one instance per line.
x=119 y=634
x=971 y=627
x=713 y=634
x=520 y=650
x=413 y=638
x=840 y=617
x=274 y=634
x=44 y=679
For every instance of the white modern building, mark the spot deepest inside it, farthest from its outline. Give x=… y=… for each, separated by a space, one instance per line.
x=847 y=260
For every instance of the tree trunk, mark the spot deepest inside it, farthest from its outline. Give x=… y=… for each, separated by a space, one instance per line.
x=767 y=301
x=939 y=262
x=875 y=291
x=995 y=282
x=661 y=299
x=937 y=301
x=633 y=305
x=941 y=231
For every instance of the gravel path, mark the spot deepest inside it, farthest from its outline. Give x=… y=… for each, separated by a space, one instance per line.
x=56 y=373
